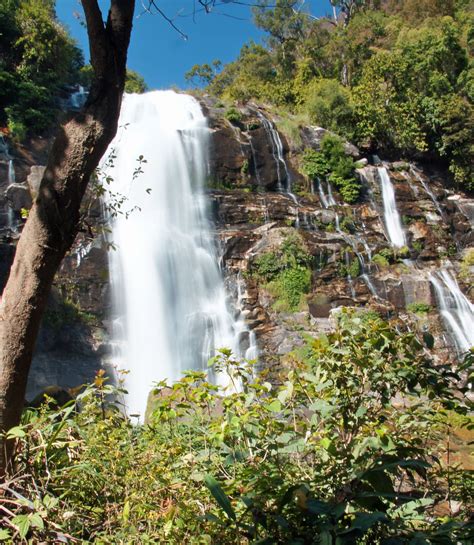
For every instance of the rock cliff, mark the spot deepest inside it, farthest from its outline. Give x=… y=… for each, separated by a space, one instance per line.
x=258 y=198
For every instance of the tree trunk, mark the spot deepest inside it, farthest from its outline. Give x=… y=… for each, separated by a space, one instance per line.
x=53 y=221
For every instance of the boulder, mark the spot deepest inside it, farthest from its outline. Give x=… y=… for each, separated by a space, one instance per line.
x=18 y=197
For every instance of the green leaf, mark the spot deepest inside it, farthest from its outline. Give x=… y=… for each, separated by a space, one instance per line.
x=22 y=522
x=16 y=433
x=126 y=511
x=274 y=406
x=37 y=521
x=4 y=535
x=365 y=521
x=220 y=496
x=428 y=339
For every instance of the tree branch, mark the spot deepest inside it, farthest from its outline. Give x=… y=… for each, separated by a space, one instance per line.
x=96 y=34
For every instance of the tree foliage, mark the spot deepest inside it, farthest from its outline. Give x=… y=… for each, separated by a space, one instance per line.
x=395 y=76
x=38 y=59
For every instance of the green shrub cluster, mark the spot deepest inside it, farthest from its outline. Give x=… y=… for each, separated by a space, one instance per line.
x=233 y=115
x=321 y=455
x=287 y=273
x=419 y=308
x=333 y=163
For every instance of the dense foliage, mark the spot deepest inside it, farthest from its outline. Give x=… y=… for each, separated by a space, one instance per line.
x=333 y=163
x=38 y=59
x=395 y=76
x=347 y=446
x=286 y=272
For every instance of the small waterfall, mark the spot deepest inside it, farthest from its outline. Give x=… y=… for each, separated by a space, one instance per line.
x=11 y=172
x=331 y=200
x=428 y=190
x=284 y=179
x=393 y=223
x=455 y=308
x=254 y=159
x=326 y=200
x=348 y=269
x=78 y=98
x=168 y=289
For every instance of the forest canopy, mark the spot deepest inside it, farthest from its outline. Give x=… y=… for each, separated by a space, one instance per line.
x=394 y=76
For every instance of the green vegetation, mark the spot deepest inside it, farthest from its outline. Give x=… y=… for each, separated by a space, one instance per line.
x=419 y=308
x=39 y=63
x=38 y=60
x=333 y=162
x=349 y=266
x=397 y=76
x=287 y=273
x=313 y=459
x=233 y=115
x=67 y=313
x=467 y=263
x=380 y=260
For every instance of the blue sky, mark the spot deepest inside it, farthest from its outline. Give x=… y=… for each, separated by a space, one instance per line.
x=161 y=55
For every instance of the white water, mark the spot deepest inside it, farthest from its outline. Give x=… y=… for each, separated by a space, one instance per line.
x=78 y=98
x=284 y=179
x=11 y=172
x=393 y=223
x=455 y=308
x=428 y=191
x=167 y=287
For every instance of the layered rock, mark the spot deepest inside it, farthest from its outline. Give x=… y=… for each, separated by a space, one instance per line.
x=353 y=262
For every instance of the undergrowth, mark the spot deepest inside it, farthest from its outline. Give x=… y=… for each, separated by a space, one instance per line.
x=322 y=454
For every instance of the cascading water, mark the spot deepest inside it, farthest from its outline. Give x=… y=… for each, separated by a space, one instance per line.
x=326 y=200
x=455 y=308
x=167 y=287
x=284 y=181
x=393 y=223
x=428 y=191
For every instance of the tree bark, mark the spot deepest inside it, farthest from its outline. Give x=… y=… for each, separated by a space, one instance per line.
x=53 y=221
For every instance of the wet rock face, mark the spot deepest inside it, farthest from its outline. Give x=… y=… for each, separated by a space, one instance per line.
x=353 y=264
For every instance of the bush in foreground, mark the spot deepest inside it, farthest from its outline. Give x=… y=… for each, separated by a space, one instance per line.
x=345 y=447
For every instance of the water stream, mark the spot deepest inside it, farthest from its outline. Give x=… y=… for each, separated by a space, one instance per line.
x=455 y=308
x=170 y=302
x=393 y=224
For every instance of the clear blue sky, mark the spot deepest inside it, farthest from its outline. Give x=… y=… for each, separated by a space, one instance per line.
x=161 y=55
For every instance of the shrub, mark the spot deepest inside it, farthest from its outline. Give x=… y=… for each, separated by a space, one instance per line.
x=327 y=104
x=419 y=308
x=233 y=115
x=321 y=454
x=332 y=162
x=289 y=287
x=380 y=260
x=467 y=263
x=287 y=272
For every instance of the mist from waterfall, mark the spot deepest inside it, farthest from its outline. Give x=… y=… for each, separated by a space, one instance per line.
x=171 y=306
x=392 y=220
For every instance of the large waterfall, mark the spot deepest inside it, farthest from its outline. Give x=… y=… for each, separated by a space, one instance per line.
x=171 y=305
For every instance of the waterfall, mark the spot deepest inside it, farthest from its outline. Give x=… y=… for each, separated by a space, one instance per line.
x=428 y=191
x=168 y=290
x=284 y=182
x=393 y=223
x=328 y=200
x=78 y=98
x=455 y=308
x=11 y=172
